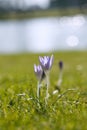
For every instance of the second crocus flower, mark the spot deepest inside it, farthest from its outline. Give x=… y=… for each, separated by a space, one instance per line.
x=40 y=76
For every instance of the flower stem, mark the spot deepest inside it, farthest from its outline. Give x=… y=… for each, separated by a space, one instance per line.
x=60 y=79
x=48 y=83
x=38 y=89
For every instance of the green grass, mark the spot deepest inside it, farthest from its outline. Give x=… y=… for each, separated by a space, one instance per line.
x=43 y=13
x=66 y=110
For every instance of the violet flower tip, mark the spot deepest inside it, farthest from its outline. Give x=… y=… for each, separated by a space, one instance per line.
x=61 y=64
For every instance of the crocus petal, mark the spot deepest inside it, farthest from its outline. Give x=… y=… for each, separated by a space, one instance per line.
x=41 y=60
x=46 y=62
x=35 y=68
x=51 y=60
x=38 y=71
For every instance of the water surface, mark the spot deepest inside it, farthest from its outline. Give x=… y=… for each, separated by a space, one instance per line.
x=43 y=34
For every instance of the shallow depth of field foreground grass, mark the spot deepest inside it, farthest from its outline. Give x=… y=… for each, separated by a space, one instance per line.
x=19 y=107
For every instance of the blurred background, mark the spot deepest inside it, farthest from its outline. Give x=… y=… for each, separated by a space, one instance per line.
x=42 y=25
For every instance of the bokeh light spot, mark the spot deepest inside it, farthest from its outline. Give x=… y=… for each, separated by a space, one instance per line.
x=78 y=20
x=72 y=41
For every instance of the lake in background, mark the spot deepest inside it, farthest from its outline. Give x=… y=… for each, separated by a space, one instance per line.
x=43 y=34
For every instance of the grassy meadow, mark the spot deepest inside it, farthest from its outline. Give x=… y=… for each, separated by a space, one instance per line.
x=42 y=13
x=19 y=107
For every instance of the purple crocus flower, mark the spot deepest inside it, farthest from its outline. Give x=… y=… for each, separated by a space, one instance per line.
x=40 y=75
x=46 y=62
x=38 y=71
